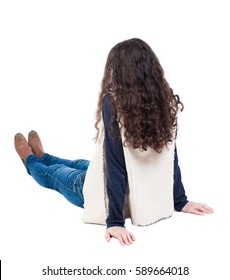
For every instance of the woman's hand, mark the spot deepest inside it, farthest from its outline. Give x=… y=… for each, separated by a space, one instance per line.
x=122 y=234
x=197 y=208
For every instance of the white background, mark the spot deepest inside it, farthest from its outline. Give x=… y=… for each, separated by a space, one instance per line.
x=52 y=57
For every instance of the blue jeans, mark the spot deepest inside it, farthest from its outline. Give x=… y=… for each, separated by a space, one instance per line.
x=62 y=175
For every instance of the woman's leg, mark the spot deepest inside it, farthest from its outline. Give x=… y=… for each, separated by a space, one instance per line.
x=80 y=164
x=66 y=180
x=37 y=149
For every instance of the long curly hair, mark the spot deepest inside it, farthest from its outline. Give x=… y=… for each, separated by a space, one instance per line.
x=142 y=100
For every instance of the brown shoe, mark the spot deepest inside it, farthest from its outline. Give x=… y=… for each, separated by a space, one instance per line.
x=35 y=143
x=21 y=146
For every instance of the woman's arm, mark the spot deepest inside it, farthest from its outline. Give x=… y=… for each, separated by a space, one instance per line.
x=116 y=176
x=179 y=196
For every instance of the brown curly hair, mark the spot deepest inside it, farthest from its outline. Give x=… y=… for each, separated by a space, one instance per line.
x=143 y=102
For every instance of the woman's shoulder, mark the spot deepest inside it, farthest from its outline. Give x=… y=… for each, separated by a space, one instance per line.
x=107 y=97
x=107 y=101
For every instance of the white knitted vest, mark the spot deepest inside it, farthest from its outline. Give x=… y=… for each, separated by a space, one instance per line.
x=149 y=194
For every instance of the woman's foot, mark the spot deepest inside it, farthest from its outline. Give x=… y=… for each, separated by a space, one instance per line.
x=35 y=143
x=21 y=146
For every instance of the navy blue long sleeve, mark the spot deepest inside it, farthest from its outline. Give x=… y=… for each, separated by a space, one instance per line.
x=116 y=175
x=116 y=171
x=179 y=196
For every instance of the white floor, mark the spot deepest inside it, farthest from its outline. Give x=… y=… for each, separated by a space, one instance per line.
x=39 y=228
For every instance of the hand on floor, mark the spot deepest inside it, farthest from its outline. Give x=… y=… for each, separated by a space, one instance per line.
x=122 y=234
x=197 y=208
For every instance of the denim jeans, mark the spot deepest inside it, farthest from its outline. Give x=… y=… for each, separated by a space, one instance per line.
x=62 y=175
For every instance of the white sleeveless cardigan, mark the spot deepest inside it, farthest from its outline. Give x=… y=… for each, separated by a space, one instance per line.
x=149 y=193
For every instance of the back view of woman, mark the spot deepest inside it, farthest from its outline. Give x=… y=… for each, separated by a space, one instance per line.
x=137 y=112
